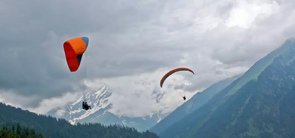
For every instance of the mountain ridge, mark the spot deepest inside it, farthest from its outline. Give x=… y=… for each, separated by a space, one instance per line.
x=54 y=127
x=246 y=107
x=191 y=105
x=99 y=100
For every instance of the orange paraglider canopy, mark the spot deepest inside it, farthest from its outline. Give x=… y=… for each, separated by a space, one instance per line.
x=74 y=49
x=173 y=71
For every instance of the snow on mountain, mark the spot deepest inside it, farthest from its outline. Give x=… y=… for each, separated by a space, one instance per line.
x=100 y=101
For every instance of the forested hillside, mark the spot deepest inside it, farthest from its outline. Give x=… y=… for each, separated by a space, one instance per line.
x=60 y=128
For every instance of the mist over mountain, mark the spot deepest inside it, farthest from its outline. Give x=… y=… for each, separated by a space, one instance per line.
x=99 y=100
x=197 y=101
x=258 y=104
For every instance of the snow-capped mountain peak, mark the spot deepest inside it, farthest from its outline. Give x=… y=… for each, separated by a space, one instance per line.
x=98 y=99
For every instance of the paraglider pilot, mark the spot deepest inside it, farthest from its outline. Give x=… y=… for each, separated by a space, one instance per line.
x=85 y=106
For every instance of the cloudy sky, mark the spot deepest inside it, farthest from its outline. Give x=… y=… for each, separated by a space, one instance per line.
x=132 y=43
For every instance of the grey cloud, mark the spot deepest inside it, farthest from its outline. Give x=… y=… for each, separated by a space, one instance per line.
x=32 y=33
x=129 y=38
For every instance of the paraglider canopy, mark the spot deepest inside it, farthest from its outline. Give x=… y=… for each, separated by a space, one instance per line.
x=74 y=49
x=172 y=72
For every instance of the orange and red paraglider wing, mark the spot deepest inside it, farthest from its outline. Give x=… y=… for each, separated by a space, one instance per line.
x=74 y=49
x=173 y=71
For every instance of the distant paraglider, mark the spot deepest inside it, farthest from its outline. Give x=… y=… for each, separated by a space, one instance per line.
x=169 y=73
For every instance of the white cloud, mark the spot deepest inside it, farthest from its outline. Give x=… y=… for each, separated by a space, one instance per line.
x=245 y=12
x=47 y=105
x=11 y=98
x=137 y=95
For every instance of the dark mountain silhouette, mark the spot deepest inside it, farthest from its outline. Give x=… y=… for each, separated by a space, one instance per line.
x=258 y=104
